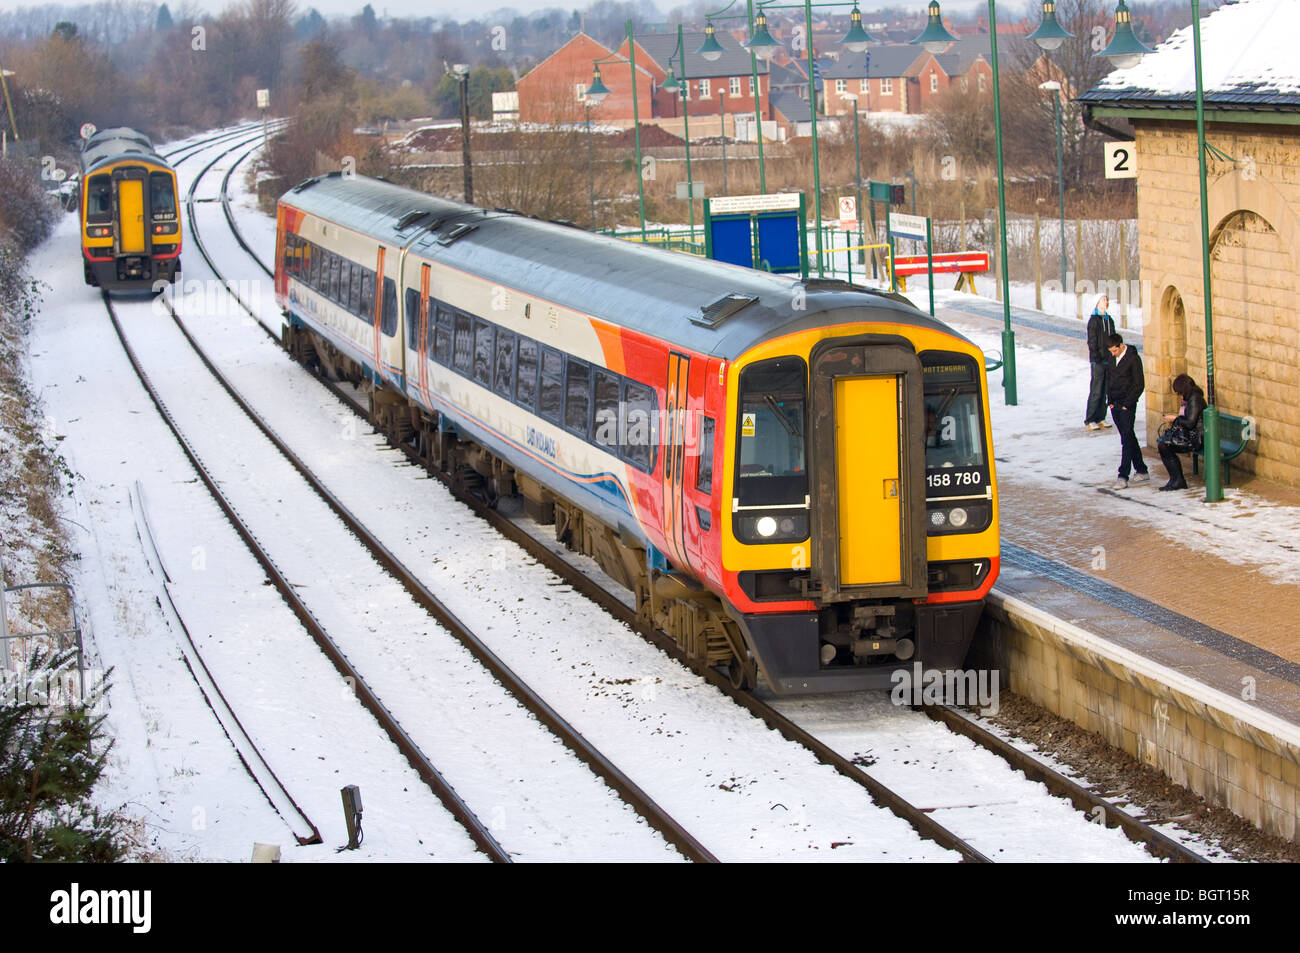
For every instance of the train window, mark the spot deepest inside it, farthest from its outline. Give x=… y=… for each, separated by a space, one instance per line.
x=99 y=199
x=354 y=291
x=368 y=291
x=463 y=354
x=526 y=378
x=608 y=388
x=483 y=335
x=704 y=480
x=412 y=318
x=551 y=401
x=442 y=337
x=771 y=470
x=577 y=397
x=345 y=283
x=162 y=198
x=552 y=362
x=336 y=269
x=505 y=370
x=640 y=430
x=388 y=317
x=317 y=256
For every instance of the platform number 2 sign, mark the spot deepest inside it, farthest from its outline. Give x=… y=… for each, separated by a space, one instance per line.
x=1121 y=160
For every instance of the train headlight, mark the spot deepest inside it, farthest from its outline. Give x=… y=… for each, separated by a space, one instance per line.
x=957 y=517
x=766 y=526
x=937 y=518
x=771 y=527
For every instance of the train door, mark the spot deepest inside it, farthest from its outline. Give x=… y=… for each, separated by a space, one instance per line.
x=378 y=315
x=868 y=470
x=698 y=479
x=129 y=204
x=424 y=337
x=674 y=457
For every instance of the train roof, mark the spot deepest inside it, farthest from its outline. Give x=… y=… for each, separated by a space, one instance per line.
x=120 y=142
x=706 y=306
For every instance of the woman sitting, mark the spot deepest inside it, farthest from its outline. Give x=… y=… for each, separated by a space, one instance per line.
x=1185 y=433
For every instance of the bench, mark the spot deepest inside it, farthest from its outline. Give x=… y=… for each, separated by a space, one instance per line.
x=965 y=264
x=1234 y=434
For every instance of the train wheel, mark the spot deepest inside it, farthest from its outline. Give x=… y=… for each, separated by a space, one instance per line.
x=741 y=675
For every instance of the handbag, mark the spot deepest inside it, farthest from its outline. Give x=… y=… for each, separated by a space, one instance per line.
x=1180 y=435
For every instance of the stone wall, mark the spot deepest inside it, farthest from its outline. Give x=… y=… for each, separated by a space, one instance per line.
x=1254 y=206
x=1232 y=753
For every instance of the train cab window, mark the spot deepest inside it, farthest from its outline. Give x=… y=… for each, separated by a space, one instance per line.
x=552 y=388
x=577 y=397
x=607 y=394
x=483 y=339
x=954 y=421
x=463 y=353
x=388 y=317
x=526 y=378
x=412 y=318
x=771 y=469
x=505 y=369
x=704 y=479
x=640 y=432
x=99 y=200
x=442 y=337
x=162 y=197
x=368 y=292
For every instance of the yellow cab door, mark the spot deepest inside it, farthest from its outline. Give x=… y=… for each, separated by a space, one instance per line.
x=868 y=469
x=867 y=462
x=130 y=216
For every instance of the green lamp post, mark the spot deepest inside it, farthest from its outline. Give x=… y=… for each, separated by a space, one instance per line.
x=597 y=92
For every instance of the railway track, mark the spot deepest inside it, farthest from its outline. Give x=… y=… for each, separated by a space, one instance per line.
x=599 y=765
x=1061 y=786
x=924 y=825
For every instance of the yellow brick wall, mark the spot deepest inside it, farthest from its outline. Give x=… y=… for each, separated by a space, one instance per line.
x=1254 y=205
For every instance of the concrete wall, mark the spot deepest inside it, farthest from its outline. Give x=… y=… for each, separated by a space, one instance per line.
x=1254 y=212
x=1232 y=753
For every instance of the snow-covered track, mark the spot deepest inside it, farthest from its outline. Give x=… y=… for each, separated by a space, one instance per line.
x=477 y=831
x=250 y=755
x=1092 y=804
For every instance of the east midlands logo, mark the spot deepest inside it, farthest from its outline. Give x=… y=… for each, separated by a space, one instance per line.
x=77 y=906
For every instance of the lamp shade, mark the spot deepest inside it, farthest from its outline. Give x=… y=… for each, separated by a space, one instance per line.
x=1125 y=48
x=857 y=38
x=670 y=83
x=710 y=49
x=935 y=37
x=1050 y=34
x=761 y=43
x=597 y=91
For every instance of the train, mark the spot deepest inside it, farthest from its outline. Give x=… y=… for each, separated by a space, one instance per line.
x=130 y=213
x=794 y=477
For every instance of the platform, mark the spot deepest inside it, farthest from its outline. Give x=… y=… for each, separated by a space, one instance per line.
x=1166 y=614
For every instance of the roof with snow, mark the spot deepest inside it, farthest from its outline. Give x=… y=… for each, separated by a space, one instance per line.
x=1249 y=63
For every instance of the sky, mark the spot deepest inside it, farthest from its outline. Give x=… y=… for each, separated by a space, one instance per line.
x=458 y=10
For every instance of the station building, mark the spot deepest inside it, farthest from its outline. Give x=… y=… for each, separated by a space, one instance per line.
x=1251 y=81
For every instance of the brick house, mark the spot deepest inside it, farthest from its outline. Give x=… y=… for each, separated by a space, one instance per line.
x=896 y=78
x=1253 y=115
x=554 y=90
x=730 y=74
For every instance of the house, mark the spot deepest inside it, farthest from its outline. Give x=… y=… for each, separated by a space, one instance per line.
x=896 y=78
x=555 y=89
x=707 y=83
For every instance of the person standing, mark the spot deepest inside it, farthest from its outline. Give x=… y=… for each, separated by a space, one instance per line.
x=1186 y=432
x=1125 y=387
x=1100 y=327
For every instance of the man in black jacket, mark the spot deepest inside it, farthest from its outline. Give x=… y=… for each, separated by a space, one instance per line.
x=1100 y=327
x=1125 y=388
